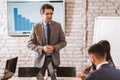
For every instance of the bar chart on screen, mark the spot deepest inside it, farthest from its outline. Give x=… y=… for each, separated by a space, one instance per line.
x=21 y=23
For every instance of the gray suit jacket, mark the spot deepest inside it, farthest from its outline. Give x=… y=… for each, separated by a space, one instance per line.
x=106 y=72
x=37 y=41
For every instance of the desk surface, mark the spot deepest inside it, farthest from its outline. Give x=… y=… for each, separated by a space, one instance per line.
x=34 y=78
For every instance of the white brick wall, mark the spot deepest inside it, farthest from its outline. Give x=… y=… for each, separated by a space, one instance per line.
x=79 y=33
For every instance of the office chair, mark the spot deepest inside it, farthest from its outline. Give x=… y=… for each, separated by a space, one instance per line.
x=28 y=71
x=66 y=72
x=33 y=71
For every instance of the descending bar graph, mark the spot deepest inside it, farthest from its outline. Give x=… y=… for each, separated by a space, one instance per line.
x=21 y=23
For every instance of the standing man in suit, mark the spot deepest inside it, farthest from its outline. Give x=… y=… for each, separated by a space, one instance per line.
x=104 y=70
x=46 y=39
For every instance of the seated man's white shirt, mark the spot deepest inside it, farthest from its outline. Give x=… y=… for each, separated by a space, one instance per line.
x=99 y=65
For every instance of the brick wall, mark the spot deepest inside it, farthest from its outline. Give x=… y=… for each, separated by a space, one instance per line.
x=79 y=25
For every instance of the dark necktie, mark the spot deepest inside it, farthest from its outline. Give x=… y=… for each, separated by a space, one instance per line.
x=48 y=33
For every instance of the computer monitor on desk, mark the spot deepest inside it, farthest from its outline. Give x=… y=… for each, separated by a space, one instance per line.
x=10 y=68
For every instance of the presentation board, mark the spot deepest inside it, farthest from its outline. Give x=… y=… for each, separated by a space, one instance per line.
x=22 y=14
x=108 y=28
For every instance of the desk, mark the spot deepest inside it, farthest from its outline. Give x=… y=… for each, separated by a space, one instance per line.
x=34 y=78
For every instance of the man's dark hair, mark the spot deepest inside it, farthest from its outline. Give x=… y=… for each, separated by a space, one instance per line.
x=98 y=50
x=46 y=6
x=106 y=45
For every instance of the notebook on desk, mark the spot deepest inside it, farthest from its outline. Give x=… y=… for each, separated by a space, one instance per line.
x=10 y=68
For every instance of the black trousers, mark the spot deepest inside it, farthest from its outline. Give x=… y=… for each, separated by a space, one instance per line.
x=49 y=66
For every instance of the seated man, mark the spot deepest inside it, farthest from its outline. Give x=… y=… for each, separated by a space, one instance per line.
x=104 y=70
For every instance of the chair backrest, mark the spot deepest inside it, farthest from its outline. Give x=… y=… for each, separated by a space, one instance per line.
x=66 y=72
x=33 y=71
x=28 y=71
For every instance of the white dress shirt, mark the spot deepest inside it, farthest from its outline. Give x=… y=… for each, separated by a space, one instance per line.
x=99 y=65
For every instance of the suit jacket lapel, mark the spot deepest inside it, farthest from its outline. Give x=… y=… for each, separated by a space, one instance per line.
x=42 y=35
x=52 y=31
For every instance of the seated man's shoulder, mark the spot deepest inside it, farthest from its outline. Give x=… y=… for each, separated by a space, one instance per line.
x=117 y=70
x=93 y=75
x=90 y=76
x=104 y=74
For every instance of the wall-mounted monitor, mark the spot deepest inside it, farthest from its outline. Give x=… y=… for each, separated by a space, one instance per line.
x=22 y=14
